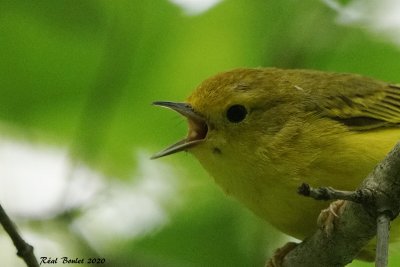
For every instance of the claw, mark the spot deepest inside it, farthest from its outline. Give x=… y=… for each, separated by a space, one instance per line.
x=279 y=255
x=327 y=216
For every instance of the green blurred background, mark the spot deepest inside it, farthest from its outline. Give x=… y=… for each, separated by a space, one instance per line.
x=77 y=129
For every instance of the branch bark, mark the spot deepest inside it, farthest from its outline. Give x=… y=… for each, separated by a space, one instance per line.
x=368 y=211
x=24 y=250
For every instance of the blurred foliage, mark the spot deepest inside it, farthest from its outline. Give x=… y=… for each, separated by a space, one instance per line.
x=82 y=74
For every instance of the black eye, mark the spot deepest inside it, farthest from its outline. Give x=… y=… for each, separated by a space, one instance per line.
x=236 y=113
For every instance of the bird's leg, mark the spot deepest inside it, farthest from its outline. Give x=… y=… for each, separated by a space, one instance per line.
x=279 y=255
x=326 y=218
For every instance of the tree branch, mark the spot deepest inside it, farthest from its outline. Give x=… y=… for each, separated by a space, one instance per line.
x=367 y=212
x=24 y=250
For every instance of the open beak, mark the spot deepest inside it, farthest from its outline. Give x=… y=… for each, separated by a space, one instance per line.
x=197 y=128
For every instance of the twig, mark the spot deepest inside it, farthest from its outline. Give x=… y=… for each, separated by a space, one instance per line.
x=382 y=240
x=367 y=213
x=24 y=250
x=329 y=193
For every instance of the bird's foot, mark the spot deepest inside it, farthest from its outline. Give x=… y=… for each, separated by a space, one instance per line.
x=279 y=255
x=326 y=218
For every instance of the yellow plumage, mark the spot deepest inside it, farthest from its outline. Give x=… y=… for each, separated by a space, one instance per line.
x=262 y=132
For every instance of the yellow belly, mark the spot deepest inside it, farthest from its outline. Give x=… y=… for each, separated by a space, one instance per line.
x=268 y=184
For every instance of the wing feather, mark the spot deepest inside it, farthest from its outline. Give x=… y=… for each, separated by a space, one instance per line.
x=379 y=108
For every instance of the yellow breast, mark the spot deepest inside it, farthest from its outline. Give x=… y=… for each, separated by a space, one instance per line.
x=265 y=175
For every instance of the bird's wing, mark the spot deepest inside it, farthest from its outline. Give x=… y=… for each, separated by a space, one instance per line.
x=364 y=111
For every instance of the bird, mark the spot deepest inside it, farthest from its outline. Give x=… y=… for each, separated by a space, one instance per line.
x=261 y=132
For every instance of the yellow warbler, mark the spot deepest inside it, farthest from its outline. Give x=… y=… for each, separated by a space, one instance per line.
x=262 y=132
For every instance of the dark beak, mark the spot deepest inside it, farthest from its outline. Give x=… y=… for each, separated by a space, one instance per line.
x=197 y=128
